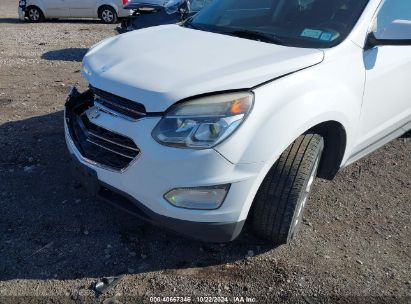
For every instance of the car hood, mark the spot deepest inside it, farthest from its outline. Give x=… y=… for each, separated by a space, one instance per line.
x=161 y=65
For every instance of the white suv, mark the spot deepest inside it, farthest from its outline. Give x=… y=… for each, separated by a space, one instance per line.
x=107 y=10
x=231 y=115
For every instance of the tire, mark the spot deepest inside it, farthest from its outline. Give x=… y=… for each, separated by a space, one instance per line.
x=108 y=15
x=279 y=204
x=34 y=14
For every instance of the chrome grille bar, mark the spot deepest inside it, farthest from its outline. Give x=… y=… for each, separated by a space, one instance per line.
x=111 y=141
x=108 y=149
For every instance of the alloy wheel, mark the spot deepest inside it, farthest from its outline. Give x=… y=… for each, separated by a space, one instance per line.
x=107 y=15
x=34 y=14
x=305 y=195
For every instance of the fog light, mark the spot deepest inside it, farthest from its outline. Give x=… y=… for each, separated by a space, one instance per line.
x=201 y=198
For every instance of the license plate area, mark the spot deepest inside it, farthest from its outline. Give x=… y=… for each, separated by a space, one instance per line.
x=86 y=176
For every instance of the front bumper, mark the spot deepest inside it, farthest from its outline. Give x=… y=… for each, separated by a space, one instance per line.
x=204 y=231
x=21 y=12
x=157 y=169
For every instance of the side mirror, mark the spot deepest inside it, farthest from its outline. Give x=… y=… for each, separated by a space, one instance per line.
x=396 y=33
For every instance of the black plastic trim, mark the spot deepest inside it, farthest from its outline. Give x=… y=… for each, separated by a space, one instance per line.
x=373 y=41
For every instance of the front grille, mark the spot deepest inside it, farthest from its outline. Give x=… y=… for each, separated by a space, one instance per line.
x=101 y=145
x=97 y=144
x=126 y=108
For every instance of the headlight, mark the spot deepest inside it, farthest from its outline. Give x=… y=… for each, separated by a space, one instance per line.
x=203 y=122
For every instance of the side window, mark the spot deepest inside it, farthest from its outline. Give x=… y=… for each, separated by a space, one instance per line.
x=393 y=20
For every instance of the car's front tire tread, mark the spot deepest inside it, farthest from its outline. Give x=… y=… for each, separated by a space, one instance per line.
x=276 y=202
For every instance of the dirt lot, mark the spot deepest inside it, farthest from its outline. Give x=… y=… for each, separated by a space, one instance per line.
x=55 y=240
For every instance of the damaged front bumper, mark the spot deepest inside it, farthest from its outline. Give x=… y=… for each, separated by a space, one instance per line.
x=21 y=10
x=116 y=158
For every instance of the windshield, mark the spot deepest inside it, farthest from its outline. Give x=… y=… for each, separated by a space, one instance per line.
x=299 y=23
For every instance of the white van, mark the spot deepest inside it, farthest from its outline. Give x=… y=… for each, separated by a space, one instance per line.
x=38 y=10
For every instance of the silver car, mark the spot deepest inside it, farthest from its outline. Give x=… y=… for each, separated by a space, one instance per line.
x=38 y=10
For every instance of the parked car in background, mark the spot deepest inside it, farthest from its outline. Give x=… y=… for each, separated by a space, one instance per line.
x=136 y=4
x=146 y=13
x=38 y=10
x=230 y=116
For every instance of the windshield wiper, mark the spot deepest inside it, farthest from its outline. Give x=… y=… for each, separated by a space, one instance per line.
x=255 y=35
x=248 y=34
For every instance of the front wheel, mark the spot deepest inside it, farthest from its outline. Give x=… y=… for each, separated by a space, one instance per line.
x=108 y=15
x=34 y=14
x=280 y=202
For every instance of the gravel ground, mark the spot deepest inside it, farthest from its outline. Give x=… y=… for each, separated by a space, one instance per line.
x=56 y=241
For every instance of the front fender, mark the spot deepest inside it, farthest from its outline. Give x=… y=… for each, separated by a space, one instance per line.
x=39 y=3
x=287 y=107
x=113 y=4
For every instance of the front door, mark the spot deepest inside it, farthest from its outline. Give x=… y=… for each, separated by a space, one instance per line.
x=56 y=8
x=83 y=8
x=387 y=97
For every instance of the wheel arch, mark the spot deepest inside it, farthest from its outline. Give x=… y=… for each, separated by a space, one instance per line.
x=335 y=146
x=104 y=4
x=36 y=6
x=335 y=140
